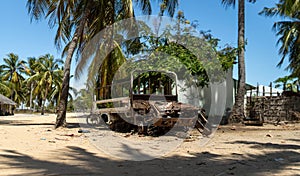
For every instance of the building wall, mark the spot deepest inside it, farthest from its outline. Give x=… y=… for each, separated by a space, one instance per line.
x=215 y=98
x=6 y=109
x=283 y=108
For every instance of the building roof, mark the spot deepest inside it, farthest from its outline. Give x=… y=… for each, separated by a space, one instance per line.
x=5 y=100
x=248 y=86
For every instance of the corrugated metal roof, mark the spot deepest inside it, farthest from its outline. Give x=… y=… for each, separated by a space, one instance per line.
x=5 y=100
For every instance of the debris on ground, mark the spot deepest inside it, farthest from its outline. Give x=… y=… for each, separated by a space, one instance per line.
x=127 y=135
x=268 y=135
x=279 y=159
x=189 y=140
x=83 y=131
x=61 y=139
x=71 y=135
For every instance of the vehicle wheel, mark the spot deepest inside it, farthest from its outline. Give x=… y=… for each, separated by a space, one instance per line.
x=92 y=120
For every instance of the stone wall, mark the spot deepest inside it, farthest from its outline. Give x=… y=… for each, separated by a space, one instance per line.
x=283 y=108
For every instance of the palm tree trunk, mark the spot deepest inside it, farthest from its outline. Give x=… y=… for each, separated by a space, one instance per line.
x=62 y=108
x=40 y=102
x=43 y=107
x=30 y=99
x=63 y=102
x=44 y=100
x=238 y=109
x=129 y=9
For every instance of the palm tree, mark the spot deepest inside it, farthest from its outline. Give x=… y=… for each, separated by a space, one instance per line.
x=78 y=21
x=111 y=63
x=30 y=71
x=4 y=88
x=287 y=82
x=70 y=15
x=288 y=31
x=55 y=93
x=12 y=71
x=47 y=76
x=238 y=108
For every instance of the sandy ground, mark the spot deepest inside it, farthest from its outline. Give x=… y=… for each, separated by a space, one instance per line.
x=30 y=146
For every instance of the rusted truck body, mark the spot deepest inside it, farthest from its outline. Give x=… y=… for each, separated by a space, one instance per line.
x=151 y=106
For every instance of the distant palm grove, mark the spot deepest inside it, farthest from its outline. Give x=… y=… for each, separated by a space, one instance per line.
x=34 y=83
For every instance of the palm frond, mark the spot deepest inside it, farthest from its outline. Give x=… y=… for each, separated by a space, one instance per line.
x=37 y=8
x=228 y=3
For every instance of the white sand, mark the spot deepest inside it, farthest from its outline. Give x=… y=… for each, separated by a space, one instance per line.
x=30 y=146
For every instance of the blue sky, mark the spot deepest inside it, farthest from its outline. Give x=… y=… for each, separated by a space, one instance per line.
x=20 y=36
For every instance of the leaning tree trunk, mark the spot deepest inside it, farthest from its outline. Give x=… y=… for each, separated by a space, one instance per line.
x=63 y=102
x=238 y=108
x=62 y=107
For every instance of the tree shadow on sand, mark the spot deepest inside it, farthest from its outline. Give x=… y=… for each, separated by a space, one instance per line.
x=74 y=160
x=30 y=123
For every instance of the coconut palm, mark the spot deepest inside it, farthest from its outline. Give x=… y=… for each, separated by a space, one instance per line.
x=55 y=93
x=30 y=71
x=104 y=73
x=288 y=31
x=69 y=15
x=12 y=71
x=283 y=8
x=78 y=21
x=47 y=76
x=4 y=88
x=287 y=83
x=238 y=109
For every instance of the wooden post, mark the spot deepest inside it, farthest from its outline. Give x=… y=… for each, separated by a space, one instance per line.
x=250 y=97
x=263 y=90
x=271 y=92
x=257 y=90
x=139 y=86
x=150 y=86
